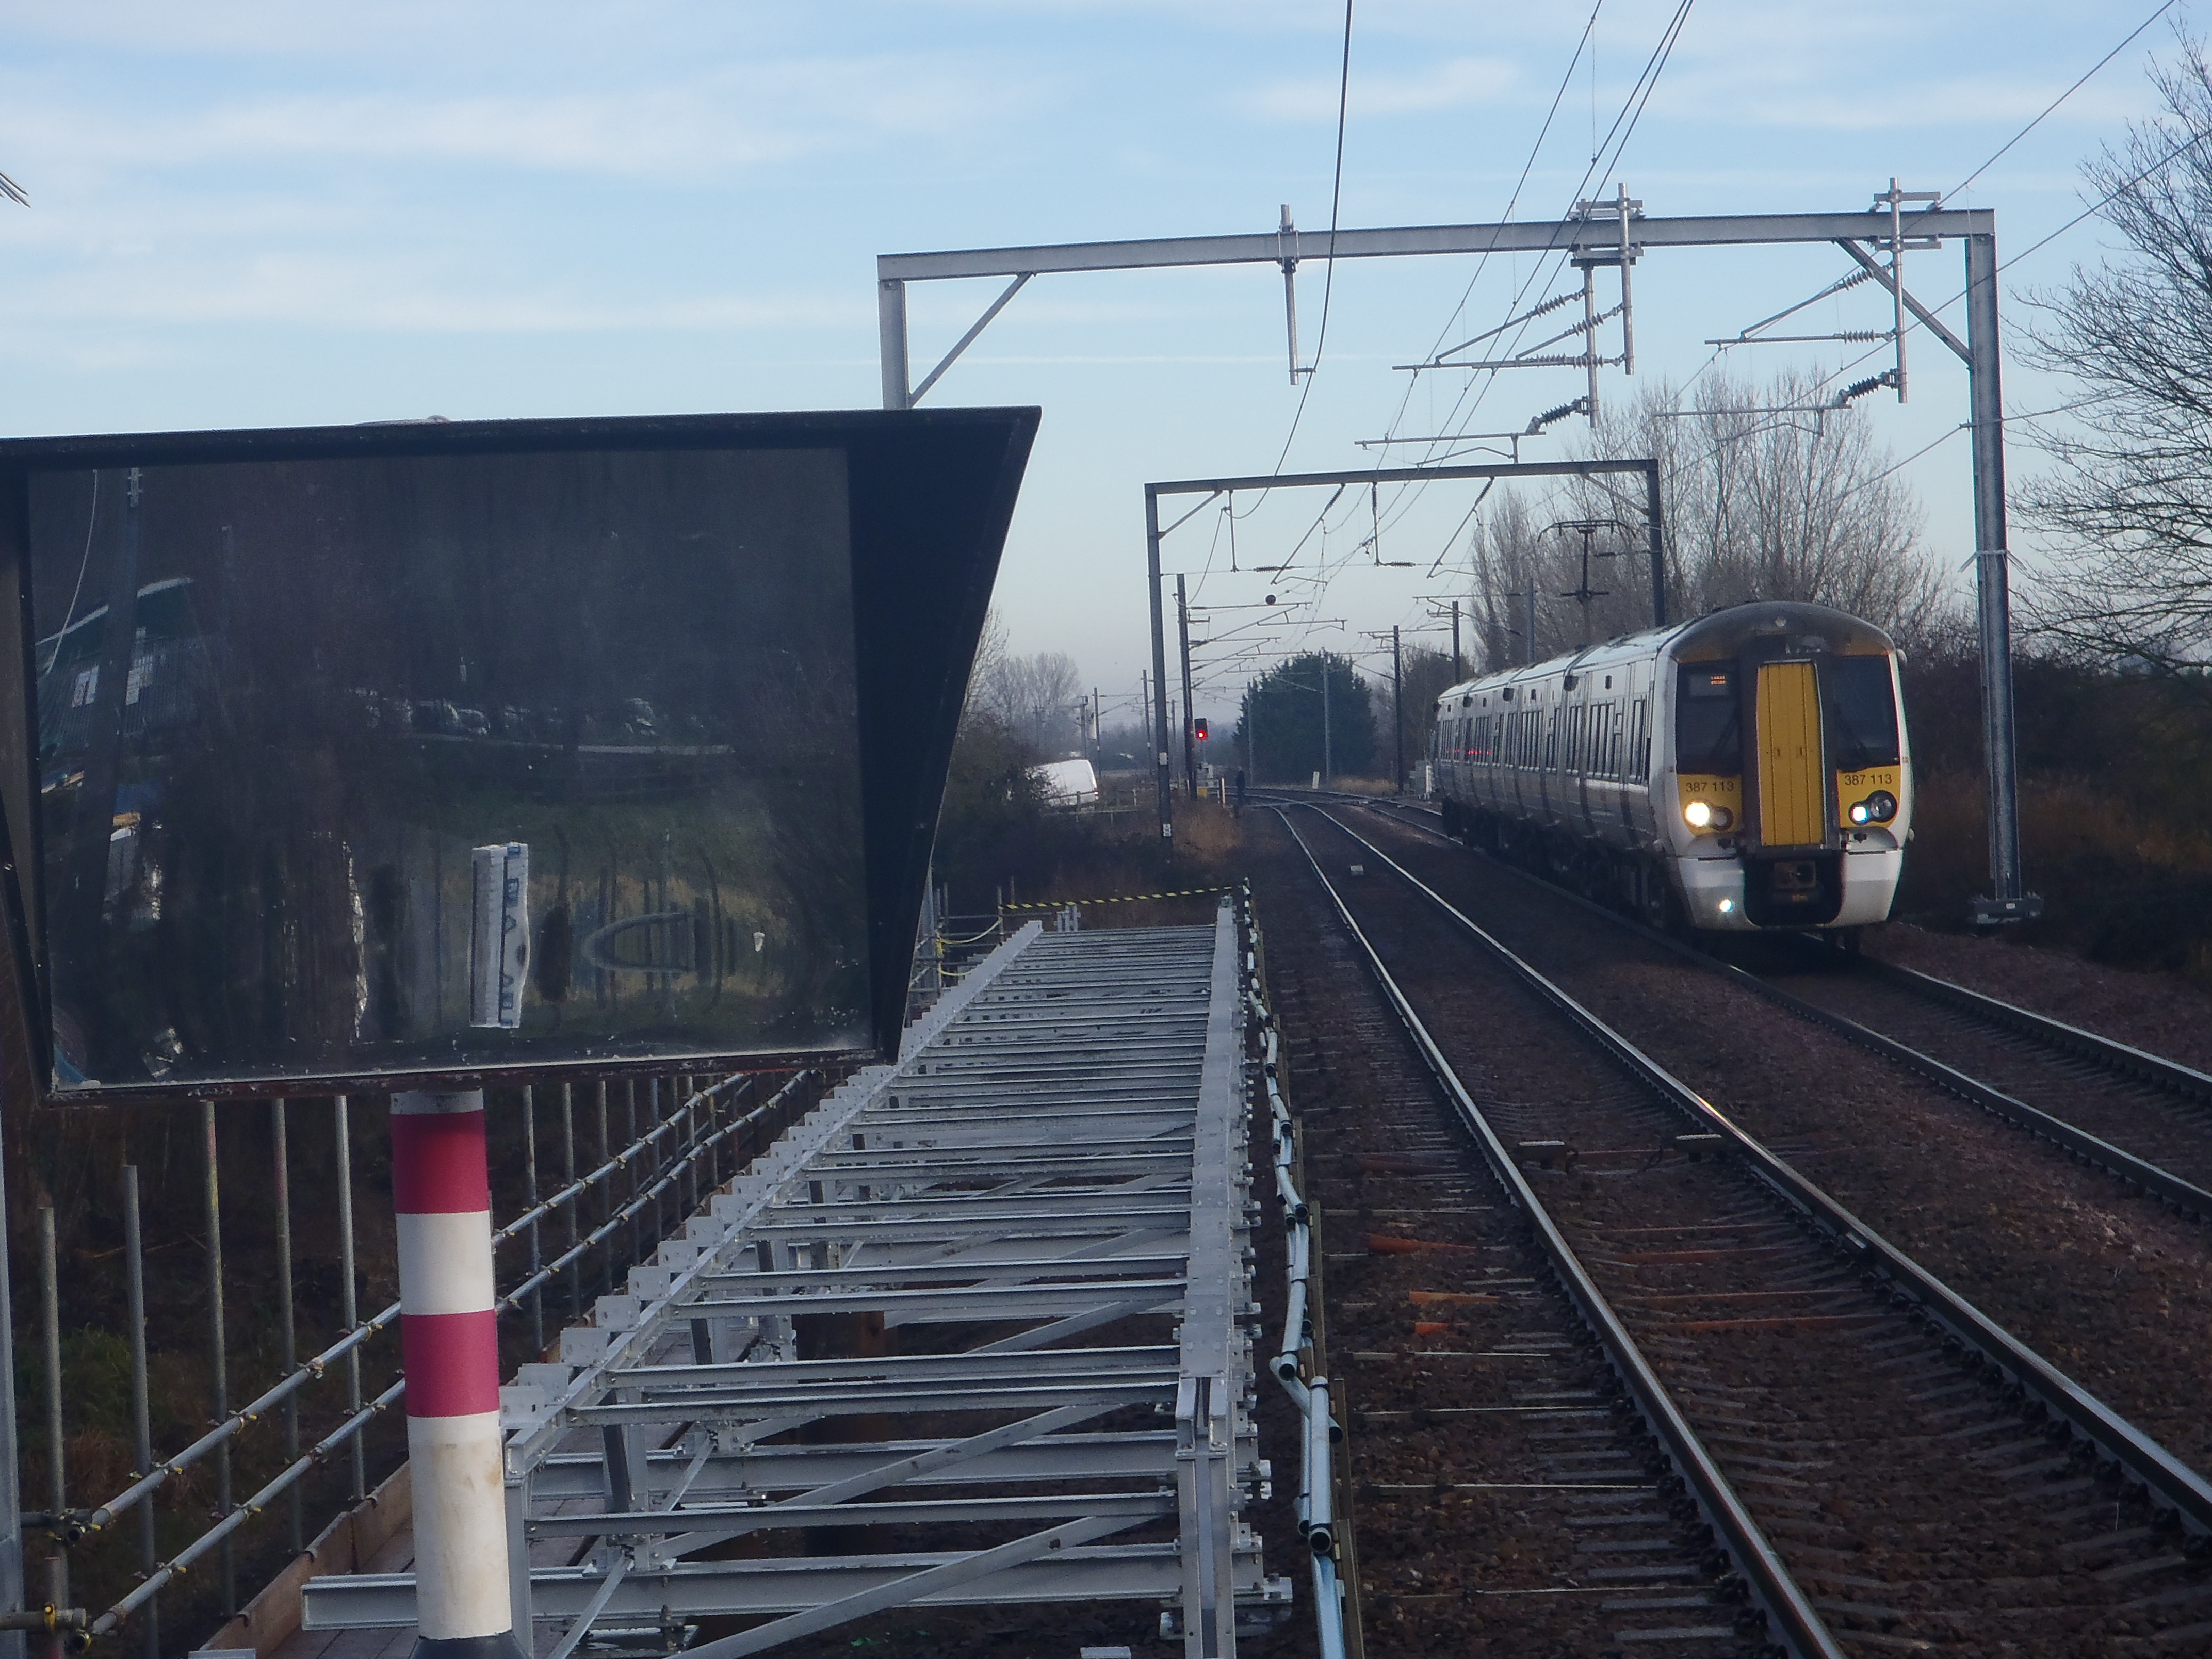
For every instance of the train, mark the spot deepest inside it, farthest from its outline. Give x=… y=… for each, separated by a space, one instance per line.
x=1746 y=771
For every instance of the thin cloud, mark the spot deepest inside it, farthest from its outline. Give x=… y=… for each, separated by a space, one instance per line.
x=351 y=293
x=732 y=122
x=1449 y=86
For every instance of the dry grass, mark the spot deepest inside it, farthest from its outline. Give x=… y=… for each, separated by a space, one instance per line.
x=2118 y=885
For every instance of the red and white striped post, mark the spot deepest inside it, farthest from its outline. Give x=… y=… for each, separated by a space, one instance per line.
x=441 y=1193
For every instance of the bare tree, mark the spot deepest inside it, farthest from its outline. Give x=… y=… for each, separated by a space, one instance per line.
x=989 y=663
x=1035 y=697
x=1798 y=505
x=2127 y=502
x=1769 y=495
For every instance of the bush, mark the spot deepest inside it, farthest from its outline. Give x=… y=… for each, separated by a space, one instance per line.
x=2115 y=802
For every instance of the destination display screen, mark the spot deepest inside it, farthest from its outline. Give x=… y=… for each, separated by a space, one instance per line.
x=432 y=763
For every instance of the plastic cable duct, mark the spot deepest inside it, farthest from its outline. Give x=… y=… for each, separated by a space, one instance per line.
x=1292 y=1365
x=888 y=1320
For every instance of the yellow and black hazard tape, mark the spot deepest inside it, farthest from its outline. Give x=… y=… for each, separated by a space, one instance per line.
x=1125 y=898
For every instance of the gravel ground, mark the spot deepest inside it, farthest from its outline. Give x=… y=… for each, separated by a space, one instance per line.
x=1501 y=1504
x=2157 y=1011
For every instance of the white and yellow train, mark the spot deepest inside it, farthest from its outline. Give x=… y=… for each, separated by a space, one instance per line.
x=1747 y=770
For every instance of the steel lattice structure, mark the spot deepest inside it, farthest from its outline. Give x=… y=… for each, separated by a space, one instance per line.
x=992 y=1304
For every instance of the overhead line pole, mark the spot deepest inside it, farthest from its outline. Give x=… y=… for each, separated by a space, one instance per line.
x=1398 y=710
x=2009 y=900
x=1160 y=774
x=1598 y=237
x=1189 y=747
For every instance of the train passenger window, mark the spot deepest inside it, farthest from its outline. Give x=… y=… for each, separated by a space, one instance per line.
x=1639 y=741
x=1708 y=730
x=1552 y=741
x=1861 y=712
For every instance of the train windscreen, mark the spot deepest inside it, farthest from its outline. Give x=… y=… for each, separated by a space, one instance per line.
x=1861 y=712
x=1708 y=728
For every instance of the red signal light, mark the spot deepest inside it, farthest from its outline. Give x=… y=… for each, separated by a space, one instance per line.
x=1200 y=728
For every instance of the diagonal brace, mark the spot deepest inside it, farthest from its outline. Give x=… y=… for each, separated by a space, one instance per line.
x=1874 y=269
x=967 y=339
x=903 y=1592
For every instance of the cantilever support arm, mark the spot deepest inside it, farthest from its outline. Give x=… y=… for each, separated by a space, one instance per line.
x=1874 y=268
x=967 y=339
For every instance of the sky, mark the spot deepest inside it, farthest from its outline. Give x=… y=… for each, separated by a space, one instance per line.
x=254 y=213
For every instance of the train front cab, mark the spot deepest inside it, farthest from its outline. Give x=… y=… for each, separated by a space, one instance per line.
x=1793 y=781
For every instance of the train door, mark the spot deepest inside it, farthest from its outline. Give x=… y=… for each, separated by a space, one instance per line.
x=1792 y=792
x=1797 y=877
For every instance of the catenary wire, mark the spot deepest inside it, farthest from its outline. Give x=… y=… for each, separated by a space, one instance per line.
x=2060 y=99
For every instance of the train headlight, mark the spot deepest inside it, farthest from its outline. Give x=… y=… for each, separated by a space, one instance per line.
x=1879 y=807
x=1702 y=815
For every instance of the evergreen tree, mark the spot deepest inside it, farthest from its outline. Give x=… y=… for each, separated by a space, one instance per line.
x=1288 y=720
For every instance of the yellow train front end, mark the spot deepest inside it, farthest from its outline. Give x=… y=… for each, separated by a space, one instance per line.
x=1791 y=777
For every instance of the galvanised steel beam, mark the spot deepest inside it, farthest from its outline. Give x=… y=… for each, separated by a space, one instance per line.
x=689 y=1591
x=1059 y=1151
x=1597 y=234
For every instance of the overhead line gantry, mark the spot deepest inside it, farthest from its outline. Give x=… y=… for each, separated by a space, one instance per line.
x=1611 y=232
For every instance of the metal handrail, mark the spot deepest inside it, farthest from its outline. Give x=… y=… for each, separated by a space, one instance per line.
x=675 y=1163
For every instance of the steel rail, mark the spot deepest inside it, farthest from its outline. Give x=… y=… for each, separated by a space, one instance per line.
x=2140 y=1172
x=1787 y=1610
x=2171 y=1483
x=2106 y=1051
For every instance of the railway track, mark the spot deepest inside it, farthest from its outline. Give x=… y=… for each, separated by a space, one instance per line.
x=1504 y=1491
x=2099 y=1269
x=1871 y=1421
x=2138 y=1116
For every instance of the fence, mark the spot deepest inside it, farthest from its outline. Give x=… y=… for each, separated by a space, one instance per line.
x=127 y=1339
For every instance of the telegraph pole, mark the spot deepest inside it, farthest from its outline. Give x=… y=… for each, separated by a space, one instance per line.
x=1327 y=751
x=1458 y=672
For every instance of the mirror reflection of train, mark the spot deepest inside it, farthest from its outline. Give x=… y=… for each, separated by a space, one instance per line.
x=629 y=929
x=281 y=706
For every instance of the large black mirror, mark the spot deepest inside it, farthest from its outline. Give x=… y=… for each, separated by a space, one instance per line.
x=346 y=757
